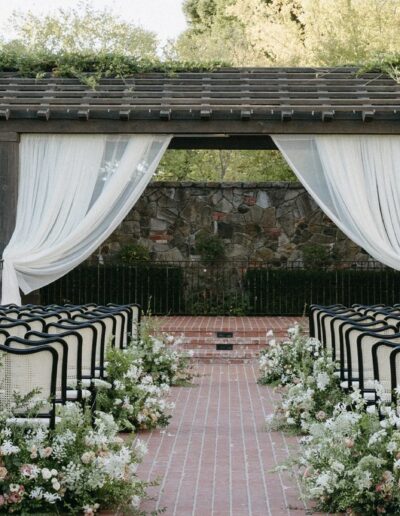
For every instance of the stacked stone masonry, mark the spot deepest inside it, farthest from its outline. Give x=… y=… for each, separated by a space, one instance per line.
x=270 y=221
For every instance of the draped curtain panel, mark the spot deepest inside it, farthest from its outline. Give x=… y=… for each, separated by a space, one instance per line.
x=356 y=182
x=74 y=190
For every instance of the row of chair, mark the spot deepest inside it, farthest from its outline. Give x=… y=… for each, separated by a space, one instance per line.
x=365 y=342
x=60 y=351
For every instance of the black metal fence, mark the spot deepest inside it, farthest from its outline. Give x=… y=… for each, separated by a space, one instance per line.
x=226 y=288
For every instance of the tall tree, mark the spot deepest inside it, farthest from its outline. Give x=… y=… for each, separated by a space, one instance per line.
x=291 y=32
x=83 y=29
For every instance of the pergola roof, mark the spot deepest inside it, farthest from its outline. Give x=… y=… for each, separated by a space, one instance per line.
x=229 y=101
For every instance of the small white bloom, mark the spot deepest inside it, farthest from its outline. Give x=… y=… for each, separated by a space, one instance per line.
x=46 y=473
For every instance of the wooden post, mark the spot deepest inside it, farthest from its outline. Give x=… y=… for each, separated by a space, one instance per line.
x=9 y=163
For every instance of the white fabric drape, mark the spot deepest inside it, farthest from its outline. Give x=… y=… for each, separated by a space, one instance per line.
x=74 y=190
x=356 y=182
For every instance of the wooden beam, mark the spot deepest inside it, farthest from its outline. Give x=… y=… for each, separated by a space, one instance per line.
x=237 y=142
x=198 y=127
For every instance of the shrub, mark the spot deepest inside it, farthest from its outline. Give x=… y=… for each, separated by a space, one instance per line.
x=210 y=247
x=73 y=469
x=316 y=256
x=133 y=253
x=351 y=462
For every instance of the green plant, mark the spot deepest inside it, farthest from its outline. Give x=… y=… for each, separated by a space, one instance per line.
x=351 y=462
x=315 y=256
x=133 y=253
x=73 y=469
x=88 y=67
x=210 y=247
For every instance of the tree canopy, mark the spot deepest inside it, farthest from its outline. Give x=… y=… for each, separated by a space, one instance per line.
x=291 y=32
x=82 y=29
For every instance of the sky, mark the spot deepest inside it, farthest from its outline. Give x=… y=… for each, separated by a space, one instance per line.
x=164 y=17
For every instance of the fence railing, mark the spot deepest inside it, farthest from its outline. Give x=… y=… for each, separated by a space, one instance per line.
x=226 y=288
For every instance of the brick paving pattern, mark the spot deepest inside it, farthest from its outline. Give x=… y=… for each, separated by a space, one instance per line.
x=248 y=335
x=215 y=458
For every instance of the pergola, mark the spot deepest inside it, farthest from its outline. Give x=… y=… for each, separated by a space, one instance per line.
x=232 y=108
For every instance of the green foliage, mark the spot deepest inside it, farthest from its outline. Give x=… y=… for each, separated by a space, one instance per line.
x=290 y=32
x=82 y=29
x=316 y=256
x=130 y=254
x=72 y=469
x=89 y=67
x=223 y=165
x=214 y=301
x=210 y=247
x=141 y=376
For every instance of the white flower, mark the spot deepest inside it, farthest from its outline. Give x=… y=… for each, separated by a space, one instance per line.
x=14 y=488
x=135 y=501
x=51 y=497
x=36 y=493
x=141 y=448
x=56 y=484
x=46 y=473
x=8 y=448
x=322 y=381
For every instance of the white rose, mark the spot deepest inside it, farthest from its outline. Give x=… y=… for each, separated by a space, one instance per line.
x=46 y=473
x=56 y=484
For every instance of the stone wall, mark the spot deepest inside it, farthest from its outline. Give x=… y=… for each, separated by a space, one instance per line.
x=267 y=221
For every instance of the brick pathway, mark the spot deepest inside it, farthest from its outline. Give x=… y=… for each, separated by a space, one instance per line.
x=215 y=458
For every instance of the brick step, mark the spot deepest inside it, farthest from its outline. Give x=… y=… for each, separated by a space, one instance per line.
x=222 y=357
x=256 y=346
x=236 y=334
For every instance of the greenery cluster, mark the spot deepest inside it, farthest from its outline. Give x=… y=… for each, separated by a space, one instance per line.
x=307 y=376
x=133 y=253
x=141 y=377
x=76 y=468
x=316 y=256
x=290 y=32
x=210 y=247
x=349 y=460
x=223 y=165
x=89 y=67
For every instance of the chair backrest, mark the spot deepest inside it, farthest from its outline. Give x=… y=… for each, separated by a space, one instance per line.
x=3 y=337
x=28 y=369
x=326 y=327
x=395 y=373
x=35 y=323
x=393 y=319
x=135 y=314
x=88 y=334
x=74 y=356
x=121 y=324
x=110 y=322
x=100 y=335
x=318 y=312
x=15 y=328
x=365 y=343
x=351 y=335
x=338 y=325
x=381 y=353
x=62 y=351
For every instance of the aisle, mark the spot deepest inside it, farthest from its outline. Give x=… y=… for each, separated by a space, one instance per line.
x=215 y=458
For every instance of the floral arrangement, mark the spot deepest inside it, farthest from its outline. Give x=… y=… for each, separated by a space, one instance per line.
x=136 y=401
x=75 y=468
x=351 y=462
x=160 y=357
x=141 y=376
x=310 y=398
x=285 y=362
